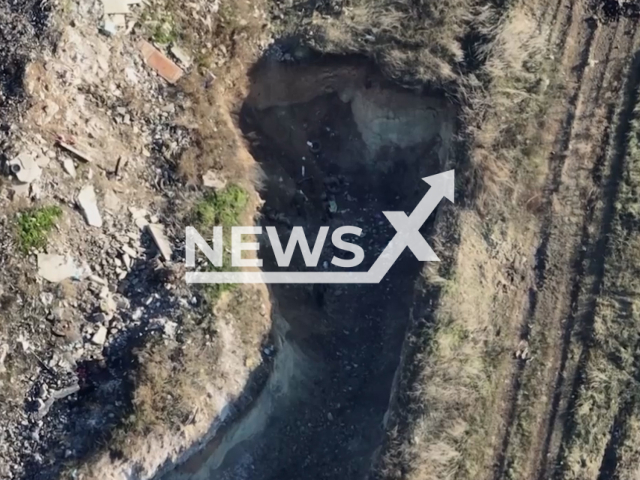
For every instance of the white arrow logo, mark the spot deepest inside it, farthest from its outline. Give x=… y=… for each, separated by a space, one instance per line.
x=408 y=235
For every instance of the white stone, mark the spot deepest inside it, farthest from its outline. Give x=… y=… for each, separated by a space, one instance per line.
x=100 y=336
x=88 y=204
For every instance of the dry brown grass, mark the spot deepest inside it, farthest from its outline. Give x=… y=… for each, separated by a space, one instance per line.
x=413 y=42
x=454 y=416
x=610 y=389
x=504 y=119
x=459 y=366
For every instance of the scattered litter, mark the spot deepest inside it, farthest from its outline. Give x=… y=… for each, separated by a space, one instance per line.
x=56 y=395
x=212 y=179
x=314 y=146
x=89 y=206
x=161 y=241
x=56 y=268
x=25 y=168
x=159 y=62
x=333 y=206
x=85 y=157
x=69 y=167
x=181 y=54
x=100 y=336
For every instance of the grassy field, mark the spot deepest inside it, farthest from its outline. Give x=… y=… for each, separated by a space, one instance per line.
x=607 y=401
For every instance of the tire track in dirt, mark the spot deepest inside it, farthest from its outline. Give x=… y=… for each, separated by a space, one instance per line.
x=593 y=40
x=556 y=164
x=610 y=193
x=609 y=75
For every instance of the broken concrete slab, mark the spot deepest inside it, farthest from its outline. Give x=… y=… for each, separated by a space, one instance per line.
x=88 y=203
x=56 y=268
x=112 y=7
x=161 y=241
x=212 y=179
x=25 y=168
x=159 y=62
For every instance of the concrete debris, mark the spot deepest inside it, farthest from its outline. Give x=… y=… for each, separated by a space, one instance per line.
x=161 y=241
x=159 y=62
x=97 y=279
x=25 y=168
x=43 y=161
x=183 y=57
x=139 y=217
x=20 y=191
x=212 y=179
x=129 y=251
x=56 y=268
x=100 y=337
x=119 y=20
x=56 y=395
x=69 y=167
x=112 y=7
x=333 y=206
x=88 y=203
x=112 y=202
x=85 y=157
x=108 y=306
x=109 y=27
x=67 y=330
x=4 y=349
x=46 y=298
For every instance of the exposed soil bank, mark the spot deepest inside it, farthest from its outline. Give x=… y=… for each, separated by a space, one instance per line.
x=338 y=146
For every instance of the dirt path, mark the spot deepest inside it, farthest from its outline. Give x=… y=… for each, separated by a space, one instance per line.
x=570 y=255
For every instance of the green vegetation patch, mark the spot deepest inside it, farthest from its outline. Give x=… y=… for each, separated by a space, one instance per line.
x=222 y=208
x=34 y=226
